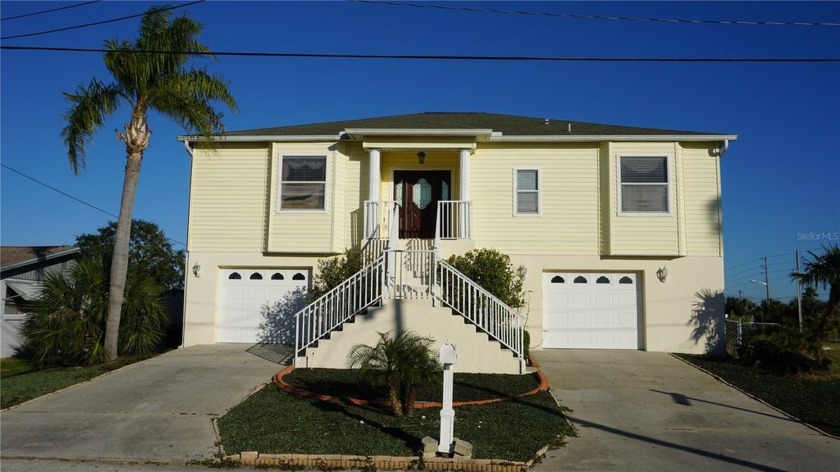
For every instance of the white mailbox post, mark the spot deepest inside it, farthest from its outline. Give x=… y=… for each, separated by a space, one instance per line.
x=448 y=356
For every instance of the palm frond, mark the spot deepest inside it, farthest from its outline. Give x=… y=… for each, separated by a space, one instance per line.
x=89 y=107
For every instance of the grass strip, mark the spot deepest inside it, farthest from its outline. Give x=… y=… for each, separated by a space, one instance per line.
x=346 y=383
x=20 y=385
x=274 y=422
x=813 y=400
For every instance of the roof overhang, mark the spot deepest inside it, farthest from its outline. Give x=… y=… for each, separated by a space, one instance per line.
x=36 y=260
x=603 y=138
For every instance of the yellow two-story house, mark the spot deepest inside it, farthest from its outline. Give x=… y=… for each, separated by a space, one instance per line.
x=616 y=231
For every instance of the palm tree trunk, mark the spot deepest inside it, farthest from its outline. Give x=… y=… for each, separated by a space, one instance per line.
x=828 y=315
x=119 y=260
x=136 y=138
x=394 y=394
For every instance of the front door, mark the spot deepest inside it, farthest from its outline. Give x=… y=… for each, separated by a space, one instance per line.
x=418 y=193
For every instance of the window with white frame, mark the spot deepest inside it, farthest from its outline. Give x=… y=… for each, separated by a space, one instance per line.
x=527 y=192
x=303 y=182
x=644 y=184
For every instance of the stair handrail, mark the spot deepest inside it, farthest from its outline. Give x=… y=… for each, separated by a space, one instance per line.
x=482 y=308
x=331 y=310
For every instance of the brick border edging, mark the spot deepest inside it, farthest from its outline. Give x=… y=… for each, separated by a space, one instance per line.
x=277 y=379
x=328 y=461
x=721 y=380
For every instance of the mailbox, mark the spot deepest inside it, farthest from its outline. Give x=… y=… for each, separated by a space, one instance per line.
x=448 y=354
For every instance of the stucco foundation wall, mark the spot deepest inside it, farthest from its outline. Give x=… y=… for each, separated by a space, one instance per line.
x=683 y=314
x=203 y=294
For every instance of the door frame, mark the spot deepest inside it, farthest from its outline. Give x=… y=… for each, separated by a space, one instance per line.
x=394 y=171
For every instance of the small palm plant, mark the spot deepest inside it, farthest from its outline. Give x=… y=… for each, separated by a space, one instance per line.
x=821 y=271
x=67 y=321
x=402 y=363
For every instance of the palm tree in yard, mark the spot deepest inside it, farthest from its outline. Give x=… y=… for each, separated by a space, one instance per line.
x=821 y=271
x=150 y=74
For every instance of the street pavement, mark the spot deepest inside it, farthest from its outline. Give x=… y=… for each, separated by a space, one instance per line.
x=645 y=411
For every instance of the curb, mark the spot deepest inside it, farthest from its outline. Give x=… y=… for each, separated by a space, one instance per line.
x=278 y=380
x=332 y=461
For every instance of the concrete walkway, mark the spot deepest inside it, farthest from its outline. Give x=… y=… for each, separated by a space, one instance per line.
x=157 y=410
x=642 y=411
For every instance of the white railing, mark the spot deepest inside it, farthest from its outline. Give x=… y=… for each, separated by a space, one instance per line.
x=454 y=220
x=361 y=290
x=379 y=218
x=411 y=273
x=479 y=306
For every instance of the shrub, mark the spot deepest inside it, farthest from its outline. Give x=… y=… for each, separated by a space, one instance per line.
x=785 y=352
x=494 y=272
x=66 y=324
x=334 y=270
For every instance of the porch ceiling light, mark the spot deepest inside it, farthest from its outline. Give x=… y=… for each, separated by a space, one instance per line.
x=421 y=156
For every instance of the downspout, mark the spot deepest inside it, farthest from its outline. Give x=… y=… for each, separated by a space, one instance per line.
x=187 y=270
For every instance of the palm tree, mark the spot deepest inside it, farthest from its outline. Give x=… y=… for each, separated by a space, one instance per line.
x=66 y=324
x=150 y=74
x=821 y=271
x=401 y=362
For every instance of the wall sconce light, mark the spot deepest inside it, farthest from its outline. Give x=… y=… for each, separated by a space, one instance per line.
x=662 y=274
x=197 y=270
x=421 y=156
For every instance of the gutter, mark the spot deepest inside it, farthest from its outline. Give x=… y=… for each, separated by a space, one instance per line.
x=187 y=146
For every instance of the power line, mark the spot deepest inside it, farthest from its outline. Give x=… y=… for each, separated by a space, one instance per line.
x=95 y=23
x=51 y=10
x=598 y=17
x=72 y=197
x=442 y=57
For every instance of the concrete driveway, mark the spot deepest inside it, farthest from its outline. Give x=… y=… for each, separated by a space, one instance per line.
x=643 y=411
x=157 y=410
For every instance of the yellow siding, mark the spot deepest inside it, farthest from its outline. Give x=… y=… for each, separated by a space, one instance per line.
x=355 y=183
x=702 y=196
x=568 y=220
x=303 y=231
x=635 y=235
x=227 y=199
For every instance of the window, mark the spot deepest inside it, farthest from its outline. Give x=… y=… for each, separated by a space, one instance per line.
x=602 y=280
x=303 y=182
x=235 y=276
x=256 y=276
x=644 y=184
x=527 y=192
x=557 y=280
x=626 y=280
x=580 y=279
x=277 y=276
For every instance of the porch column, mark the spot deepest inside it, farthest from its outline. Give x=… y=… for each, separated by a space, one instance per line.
x=464 y=208
x=465 y=175
x=373 y=182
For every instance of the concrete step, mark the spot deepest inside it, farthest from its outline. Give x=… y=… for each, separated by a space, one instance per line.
x=476 y=352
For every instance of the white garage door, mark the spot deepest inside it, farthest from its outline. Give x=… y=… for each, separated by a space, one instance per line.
x=258 y=306
x=591 y=311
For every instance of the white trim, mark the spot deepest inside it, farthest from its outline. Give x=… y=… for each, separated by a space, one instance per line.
x=488 y=135
x=610 y=137
x=516 y=192
x=669 y=166
x=327 y=169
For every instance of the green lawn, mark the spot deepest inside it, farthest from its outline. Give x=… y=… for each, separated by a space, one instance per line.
x=273 y=421
x=813 y=399
x=21 y=383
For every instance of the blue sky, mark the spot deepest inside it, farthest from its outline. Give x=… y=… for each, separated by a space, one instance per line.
x=781 y=179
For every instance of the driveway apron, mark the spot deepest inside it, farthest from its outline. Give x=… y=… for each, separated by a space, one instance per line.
x=644 y=411
x=157 y=410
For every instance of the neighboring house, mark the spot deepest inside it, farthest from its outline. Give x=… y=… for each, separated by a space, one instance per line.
x=23 y=269
x=616 y=230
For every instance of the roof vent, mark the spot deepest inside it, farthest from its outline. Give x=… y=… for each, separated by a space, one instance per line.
x=569 y=128
x=546 y=121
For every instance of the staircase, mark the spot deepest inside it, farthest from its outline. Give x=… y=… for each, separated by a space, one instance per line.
x=408 y=287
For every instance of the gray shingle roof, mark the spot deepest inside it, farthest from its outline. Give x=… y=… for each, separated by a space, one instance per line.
x=508 y=125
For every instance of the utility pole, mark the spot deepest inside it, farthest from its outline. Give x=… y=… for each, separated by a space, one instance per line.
x=767 y=286
x=798 y=291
